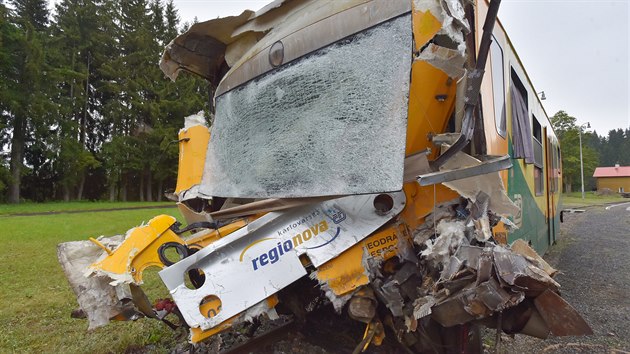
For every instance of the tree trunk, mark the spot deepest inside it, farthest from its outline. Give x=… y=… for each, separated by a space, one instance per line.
x=142 y=186
x=66 y=193
x=158 y=197
x=83 y=132
x=123 y=188
x=17 y=156
x=81 y=185
x=112 y=192
x=149 y=186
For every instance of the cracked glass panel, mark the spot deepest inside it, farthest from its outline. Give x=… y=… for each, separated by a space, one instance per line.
x=330 y=123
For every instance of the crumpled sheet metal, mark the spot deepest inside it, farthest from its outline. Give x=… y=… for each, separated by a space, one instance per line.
x=504 y=279
x=202 y=48
x=520 y=274
x=447 y=52
x=97 y=298
x=467 y=277
x=236 y=39
x=451 y=236
x=139 y=251
x=561 y=317
x=521 y=247
x=491 y=184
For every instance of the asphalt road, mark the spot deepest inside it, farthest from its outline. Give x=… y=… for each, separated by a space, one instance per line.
x=593 y=255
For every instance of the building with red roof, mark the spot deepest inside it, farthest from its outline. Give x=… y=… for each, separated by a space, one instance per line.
x=615 y=178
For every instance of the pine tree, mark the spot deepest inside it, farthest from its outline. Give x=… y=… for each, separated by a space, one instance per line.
x=8 y=33
x=95 y=97
x=29 y=104
x=81 y=46
x=32 y=12
x=158 y=26
x=171 y=19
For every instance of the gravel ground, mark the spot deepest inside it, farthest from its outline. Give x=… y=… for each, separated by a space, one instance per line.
x=592 y=255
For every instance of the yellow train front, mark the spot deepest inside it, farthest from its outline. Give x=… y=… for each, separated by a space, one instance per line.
x=361 y=146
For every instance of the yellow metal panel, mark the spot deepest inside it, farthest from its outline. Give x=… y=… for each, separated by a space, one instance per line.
x=139 y=250
x=198 y=335
x=425 y=27
x=346 y=273
x=420 y=201
x=427 y=114
x=192 y=156
x=210 y=236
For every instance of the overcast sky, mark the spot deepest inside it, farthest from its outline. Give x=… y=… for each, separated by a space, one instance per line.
x=576 y=51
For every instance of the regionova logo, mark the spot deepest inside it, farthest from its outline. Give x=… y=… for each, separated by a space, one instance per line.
x=282 y=247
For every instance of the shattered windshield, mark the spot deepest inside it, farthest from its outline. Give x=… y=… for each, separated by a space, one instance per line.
x=330 y=123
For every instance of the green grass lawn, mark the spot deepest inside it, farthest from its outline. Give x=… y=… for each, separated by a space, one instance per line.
x=36 y=300
x=574 y=199
x=6 y=209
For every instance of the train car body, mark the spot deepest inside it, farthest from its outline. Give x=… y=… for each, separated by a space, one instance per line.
x=390 y=150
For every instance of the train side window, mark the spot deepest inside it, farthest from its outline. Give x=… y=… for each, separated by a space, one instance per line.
x=538 y=180
x=558 y=171
x=538 y=156
x=521 y=127
x=498 y=86
x=537 y=135
x=554 y=167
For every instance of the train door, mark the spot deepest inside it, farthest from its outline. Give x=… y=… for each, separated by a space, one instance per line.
x=551 y=188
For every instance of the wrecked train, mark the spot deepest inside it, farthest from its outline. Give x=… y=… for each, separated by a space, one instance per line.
x=363 y=146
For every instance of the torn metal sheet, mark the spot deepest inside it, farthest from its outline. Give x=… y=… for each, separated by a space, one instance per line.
x=480 y=282
x=265 y=254
x=337 y=300
x=447 y=51
x=536 y=326
x=451 y=14
x=451 y=61
x=422 y=306
x=451 y=236
x=415 y=165
x=389 y=294
x=138 y=251
x=494 y=297
x=244 y=40
x=97 y=298
x=427 y=229
x=453 y=310
x=521 y=247
x=493 y=164
x=516 y=270
x=491 y=184
x=202 y=48
x=561 y=317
